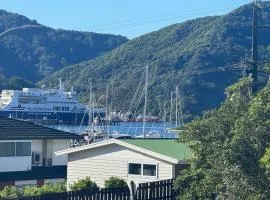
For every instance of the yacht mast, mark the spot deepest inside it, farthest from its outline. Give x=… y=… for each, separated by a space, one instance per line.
x=171 y=107
x=164 y=119
x=91 y=112
x=93 y=115
x=145 y=100
x=107 y=110
x=181 y=110
x=60 y=84
x=176 y=105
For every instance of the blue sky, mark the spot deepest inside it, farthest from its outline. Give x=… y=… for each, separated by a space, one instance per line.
x=125 y=17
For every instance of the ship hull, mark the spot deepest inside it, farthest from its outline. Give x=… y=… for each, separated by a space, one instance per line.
x=50 y=118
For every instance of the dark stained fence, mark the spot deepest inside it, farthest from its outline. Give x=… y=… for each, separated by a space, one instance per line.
x=97 y=194
x=158 y=190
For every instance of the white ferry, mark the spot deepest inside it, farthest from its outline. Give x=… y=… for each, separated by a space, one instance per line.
x=45 y=106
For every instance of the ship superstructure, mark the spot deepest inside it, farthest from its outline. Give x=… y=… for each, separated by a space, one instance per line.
x=44 y=106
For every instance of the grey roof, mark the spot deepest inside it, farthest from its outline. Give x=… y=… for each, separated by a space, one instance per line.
x=12 y=129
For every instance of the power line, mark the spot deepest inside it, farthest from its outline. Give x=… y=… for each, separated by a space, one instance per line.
x=155 y=19
x=19 y=28
x=255 y=29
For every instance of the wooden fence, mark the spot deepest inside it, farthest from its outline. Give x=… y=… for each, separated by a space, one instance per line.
x=158 y=190
x=96 y=194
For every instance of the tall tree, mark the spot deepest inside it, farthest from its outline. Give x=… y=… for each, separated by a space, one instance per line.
x=228 y=144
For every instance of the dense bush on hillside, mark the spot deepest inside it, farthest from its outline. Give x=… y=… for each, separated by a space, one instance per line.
x=176 y=55
x=34 y=53
x=230 y=148
x=14 y=83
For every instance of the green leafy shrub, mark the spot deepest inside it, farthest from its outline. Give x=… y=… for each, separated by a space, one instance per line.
x=81 y=184
x=10 y=192
x=114 y=182
x=45 y=189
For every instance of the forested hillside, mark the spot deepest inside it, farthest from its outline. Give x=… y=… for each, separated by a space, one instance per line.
x=176 y=55
x=231 y=155
x=15 y=83
x=34 y=53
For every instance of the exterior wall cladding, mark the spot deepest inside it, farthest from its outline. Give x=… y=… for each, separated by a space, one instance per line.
x=19 y=171
x=36 y=176
x=112 y=160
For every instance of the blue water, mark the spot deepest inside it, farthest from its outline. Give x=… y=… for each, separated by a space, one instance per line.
x=131 y=128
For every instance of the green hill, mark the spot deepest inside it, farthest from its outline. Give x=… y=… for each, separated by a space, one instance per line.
x=34 y=53
x=172 y=54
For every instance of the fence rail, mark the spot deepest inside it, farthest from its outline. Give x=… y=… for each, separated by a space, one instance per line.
x=158 y=190
x=95 y=194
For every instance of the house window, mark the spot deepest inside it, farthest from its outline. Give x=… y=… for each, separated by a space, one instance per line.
x=134 y=169
x=12 y=149
x=149 y=170
x=7 y=149
x=23 y=148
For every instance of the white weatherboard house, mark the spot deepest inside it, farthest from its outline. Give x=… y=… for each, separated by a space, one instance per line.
x=138 y=160
x=27 y=153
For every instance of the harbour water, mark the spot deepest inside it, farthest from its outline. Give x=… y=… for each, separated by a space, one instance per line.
x=130 y=128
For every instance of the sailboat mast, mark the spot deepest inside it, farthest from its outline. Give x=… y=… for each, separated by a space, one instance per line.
x=90 y=111
x=181 y=109
x=171 y=107
x=164 y=119
x=107 y=108
x=60 y=84
x=176 y=106
x=90 y=102
x=145 y=100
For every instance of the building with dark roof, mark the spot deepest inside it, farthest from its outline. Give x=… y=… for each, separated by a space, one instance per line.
x=27 y=153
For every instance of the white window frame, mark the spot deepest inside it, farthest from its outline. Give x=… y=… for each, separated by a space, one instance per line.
x=17 y=141
x=148 y=175
x=21 y=142
x=141 y=175
x=133 y=174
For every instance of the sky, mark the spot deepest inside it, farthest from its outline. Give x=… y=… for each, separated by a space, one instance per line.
x=130 y=18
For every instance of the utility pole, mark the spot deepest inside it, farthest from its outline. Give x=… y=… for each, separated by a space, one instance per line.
x=254 y=70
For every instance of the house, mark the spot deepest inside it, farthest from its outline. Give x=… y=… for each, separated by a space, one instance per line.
x=137 y=160
x=27 y=153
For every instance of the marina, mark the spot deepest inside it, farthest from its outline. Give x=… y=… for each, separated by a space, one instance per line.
x=133 y=129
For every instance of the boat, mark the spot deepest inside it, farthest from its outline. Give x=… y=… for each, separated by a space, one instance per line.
x=118 y=135
x=45 y=106
x=94 y=134
x=141 y=118
x=150 y=134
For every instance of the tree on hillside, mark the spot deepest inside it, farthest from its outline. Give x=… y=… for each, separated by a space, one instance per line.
x=228 y=144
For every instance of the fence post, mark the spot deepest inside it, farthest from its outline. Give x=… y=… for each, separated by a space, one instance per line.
x=132 y=188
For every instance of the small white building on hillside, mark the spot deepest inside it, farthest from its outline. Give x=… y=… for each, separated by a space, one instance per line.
x=138 y=160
